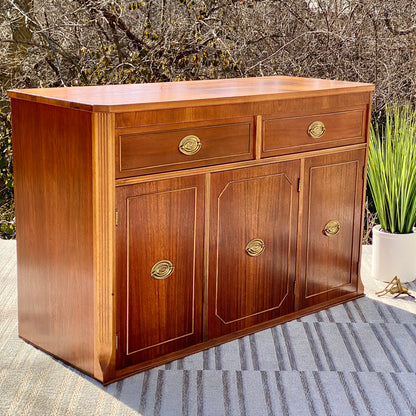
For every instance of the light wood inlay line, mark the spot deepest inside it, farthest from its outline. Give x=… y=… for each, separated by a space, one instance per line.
x=209 y=239
x=104 y=239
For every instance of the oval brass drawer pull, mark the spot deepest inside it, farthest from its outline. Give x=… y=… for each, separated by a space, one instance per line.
x=331 y=228
x=162 y=269
x=316 y=129
x=190 y=145
x=255 y=247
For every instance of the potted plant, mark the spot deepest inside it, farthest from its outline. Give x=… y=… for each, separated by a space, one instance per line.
x=392 y=180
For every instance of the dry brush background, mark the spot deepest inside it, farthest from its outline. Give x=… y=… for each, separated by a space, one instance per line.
x=86 y=42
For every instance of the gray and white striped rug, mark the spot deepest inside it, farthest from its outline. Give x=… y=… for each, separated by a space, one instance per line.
x=354 y=359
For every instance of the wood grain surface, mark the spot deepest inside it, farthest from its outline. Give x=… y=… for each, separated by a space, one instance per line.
x=104 y=244
x=119 y=98
x=102 y=194
x=246 y=204
x=52 y=155
x=333 y=191
x=284 y=135
x=278 y=105
x=160 y=220
x=144 y=151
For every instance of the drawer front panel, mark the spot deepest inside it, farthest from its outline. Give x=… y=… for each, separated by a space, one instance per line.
x=317 y=131
x=186 y=146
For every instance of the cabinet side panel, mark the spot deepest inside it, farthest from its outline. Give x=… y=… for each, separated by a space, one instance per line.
x=53 y=196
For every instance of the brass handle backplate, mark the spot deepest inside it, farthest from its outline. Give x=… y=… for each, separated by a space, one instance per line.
x=255 y=247
x=331 y=228
x=162 y=269
x=316 y=129
x=190 y=145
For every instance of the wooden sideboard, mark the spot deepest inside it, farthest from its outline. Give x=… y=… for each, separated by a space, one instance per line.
x=157 y=220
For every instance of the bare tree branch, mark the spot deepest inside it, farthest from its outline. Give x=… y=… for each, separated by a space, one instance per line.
x=395 y=31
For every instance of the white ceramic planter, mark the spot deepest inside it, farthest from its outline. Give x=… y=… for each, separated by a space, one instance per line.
x=393 y=255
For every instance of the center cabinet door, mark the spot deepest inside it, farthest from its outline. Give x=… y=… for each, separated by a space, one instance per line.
x=160 y=235
x=253 y=231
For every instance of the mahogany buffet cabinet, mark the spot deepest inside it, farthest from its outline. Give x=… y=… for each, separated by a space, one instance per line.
x=157 y=220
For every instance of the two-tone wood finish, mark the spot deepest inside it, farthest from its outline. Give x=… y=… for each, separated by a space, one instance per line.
x=132 y=252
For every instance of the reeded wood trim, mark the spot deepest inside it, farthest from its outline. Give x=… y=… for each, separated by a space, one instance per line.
x=104 y=244
x=259 y=137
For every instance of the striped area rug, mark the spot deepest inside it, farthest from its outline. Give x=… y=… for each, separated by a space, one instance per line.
x=354 y=359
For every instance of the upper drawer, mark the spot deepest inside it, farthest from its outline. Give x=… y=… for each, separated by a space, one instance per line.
x=282 y=135
x=180 y=146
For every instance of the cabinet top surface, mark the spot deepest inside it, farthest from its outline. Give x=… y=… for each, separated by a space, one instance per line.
x=136 y=97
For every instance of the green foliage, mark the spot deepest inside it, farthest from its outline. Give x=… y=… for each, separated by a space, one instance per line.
x=7 y=222
x=392 y=169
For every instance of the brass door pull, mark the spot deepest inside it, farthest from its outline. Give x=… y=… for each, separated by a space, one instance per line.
x=190 y=145
x=316 y=129
x=255 y=247
x=331 y=228
x=162 y=269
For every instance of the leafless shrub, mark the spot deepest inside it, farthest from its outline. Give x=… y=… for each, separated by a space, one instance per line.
x=50 y=43
x=86 y=42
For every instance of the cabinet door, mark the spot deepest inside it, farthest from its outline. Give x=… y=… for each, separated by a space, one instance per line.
x=252 y=284
x=331 y=231
x=159 y=267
